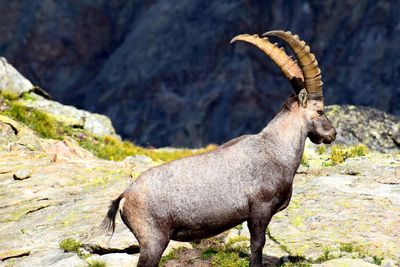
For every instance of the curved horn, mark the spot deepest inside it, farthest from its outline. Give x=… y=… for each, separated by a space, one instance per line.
x=307 y=61
x=285 y=63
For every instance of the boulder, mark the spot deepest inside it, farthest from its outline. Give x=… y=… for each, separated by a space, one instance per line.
x=96 y=124
x=15 y=84
x=17 y=136
x=374 y=128
x=11 y=81
x=22 y=174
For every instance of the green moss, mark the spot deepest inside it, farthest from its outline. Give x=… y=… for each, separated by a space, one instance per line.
x=377 y=260
x=172 y=255
x=96 y=263
x=28 y=96
x=10 y=96
x=70 y=245
x=233 y=253
x=346 y=247
x=228 y=259
x=326 y=256
x=208 y=253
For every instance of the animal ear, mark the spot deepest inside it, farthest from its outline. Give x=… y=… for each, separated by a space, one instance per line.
x=303 y=98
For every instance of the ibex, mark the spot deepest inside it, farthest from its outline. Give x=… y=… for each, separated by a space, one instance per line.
x=246 y=179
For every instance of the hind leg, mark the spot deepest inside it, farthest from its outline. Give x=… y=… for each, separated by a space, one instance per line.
x=152 y=233
x=151 y=248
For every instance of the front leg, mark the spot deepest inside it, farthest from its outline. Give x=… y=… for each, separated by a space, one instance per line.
x=257 y=224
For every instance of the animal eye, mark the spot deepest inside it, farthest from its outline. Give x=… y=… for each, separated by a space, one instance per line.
x=320 y=112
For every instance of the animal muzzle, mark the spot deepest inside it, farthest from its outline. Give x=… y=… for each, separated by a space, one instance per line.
x=330 y=137
x=323 y=136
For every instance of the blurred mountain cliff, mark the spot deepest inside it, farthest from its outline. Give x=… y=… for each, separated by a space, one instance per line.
x=164 y=71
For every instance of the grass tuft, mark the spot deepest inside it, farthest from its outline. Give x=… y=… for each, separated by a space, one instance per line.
x=321 y=149
x=340 y=153
x=347 y=247
x=172 y=255
x=377 y=260
x=70 y=245
x=326 y=256
x=227 y=258
x=208 y=253
x=9 y=96
x=96 y=263
x=37 y=120
x=233 y=253
x=304 y=160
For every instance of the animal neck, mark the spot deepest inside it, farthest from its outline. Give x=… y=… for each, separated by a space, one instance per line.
x=285 y=138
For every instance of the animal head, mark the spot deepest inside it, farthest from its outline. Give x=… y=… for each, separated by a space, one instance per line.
x=305 y=78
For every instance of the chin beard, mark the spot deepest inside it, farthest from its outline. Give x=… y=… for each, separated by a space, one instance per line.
x=315 y=139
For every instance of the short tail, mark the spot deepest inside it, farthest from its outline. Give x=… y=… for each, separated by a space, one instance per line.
x=108 y=223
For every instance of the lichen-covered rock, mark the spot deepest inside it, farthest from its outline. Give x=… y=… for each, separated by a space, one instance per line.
x=73 y=261
x=376 y=129
x=396 y=135
x=16 y=136
x=69 y=198
x=329 y=209
x=115 y=260
x=7 y=133
x=11 y=81
x=96 y=124
x=22 y=174
x=67 y=148
x=13 y=253
x=345 y=262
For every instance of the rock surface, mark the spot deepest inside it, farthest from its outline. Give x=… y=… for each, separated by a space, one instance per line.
x=97 y=124
x=22 y=174
x=11 y=81
x=363 y=125
x=68 y=198
x=164 y=72
x=14 y=84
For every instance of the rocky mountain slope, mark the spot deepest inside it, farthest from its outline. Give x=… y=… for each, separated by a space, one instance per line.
x=54 y=197
x=54 y=193
x=378 y=130
x=164 y=72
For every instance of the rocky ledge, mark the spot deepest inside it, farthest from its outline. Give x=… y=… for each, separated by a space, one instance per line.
x=344 y=213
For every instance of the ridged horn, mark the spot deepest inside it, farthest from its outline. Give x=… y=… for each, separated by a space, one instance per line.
x=307 y=61
x=277 y=54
